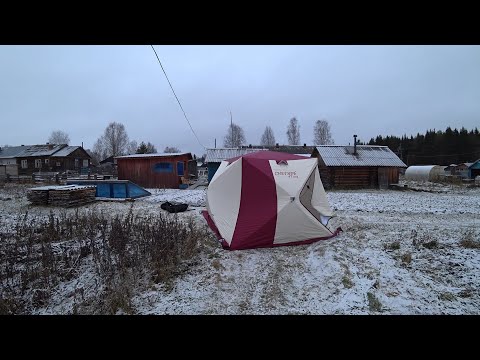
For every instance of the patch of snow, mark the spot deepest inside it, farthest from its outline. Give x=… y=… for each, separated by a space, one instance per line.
x=191 y=197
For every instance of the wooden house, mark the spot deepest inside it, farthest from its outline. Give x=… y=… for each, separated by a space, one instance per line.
x=168 y=170
x=358 y=166
x=45 y=158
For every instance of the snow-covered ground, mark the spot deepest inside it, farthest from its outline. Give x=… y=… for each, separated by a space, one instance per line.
x=399 y=253
x=190 y=197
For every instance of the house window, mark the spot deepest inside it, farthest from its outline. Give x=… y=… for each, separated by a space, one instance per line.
x=180 y=168
x=76 y=163
x=24 y=164
x=58 y=163
x=38 y=163
x=85 y=163
x=46 y=161
x=163 y=167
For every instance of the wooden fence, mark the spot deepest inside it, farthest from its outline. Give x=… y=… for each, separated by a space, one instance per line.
x=50 y=178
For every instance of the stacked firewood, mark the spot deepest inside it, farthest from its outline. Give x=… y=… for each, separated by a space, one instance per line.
x=67 y=195
x=38 y=196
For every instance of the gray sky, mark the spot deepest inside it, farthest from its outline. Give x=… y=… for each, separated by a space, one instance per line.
x=363 y=90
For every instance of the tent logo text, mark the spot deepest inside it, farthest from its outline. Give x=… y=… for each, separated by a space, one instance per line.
x=290 y=174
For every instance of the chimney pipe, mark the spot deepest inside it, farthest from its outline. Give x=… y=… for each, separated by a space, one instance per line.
x=354 y=144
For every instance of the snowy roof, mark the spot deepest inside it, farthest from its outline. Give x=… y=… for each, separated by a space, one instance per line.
x=67 y=150
x=289 y=149
x=471 y=164
x=149 y=155
x=30 y=150
x=63 y=187
x=367 y=155
x=220 y=154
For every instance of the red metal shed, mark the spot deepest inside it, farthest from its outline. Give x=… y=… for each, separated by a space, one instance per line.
x=155 y=170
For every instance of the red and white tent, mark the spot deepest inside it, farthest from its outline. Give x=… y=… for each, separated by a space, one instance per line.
x=267 y=199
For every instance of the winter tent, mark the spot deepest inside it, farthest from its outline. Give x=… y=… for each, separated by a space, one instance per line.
x=424 y=172
x=267 y=199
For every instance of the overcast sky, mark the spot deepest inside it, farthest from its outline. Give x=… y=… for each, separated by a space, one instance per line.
x=363 y=90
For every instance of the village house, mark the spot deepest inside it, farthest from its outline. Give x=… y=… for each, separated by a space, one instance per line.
x=358 y=166
x=29 y=159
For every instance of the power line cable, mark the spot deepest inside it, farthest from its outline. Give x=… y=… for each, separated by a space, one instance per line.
x=176 y=97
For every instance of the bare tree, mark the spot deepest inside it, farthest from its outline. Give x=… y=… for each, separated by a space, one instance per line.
x=321 y=133
x=293 y=132
x=151 y=149
x=98 y=152
x=235 y=136
x=95 y=157
x=132 y=147
x=170 y=150
x=59 y=137
x=114 y=141
x=268 y=139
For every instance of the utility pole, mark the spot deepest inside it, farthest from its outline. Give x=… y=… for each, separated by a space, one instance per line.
x=231 y=127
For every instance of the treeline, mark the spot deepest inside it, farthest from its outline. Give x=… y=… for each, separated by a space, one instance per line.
x=436 y=147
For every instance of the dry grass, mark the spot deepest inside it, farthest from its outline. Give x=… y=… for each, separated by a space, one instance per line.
x=424 y=239
x=373 y=303
x=217 y=265
x=406 y=258
x=447 y=296
x=469 y=241
x=41 y=253
x=433 y=244
x=347 y=282
x=392 y=246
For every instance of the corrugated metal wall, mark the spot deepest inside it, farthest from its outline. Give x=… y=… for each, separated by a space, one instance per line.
x=147 y=173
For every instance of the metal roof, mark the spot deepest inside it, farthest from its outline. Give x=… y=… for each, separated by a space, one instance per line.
x=289 y=149
x=67 y=150
x=149 y=155
x=10 y=151
x=367 y=155
x=220 y=154
x=30 y=150
x=473 y=163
